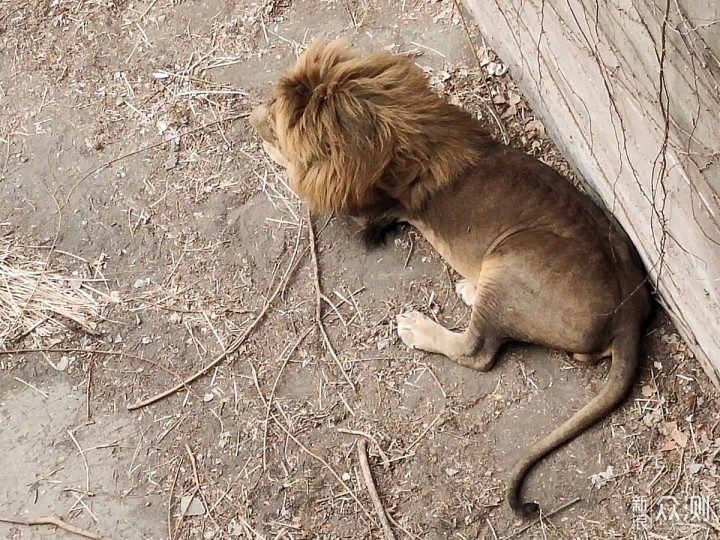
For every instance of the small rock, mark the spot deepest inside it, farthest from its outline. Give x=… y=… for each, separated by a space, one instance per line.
x=651 y=418
x=63 y=364
x=602 y=478
x=140 y=283
x=224 y=439
x=647 y=390
x=451 y=472
x=208 y=397
x=191 y=506
x=496 y=69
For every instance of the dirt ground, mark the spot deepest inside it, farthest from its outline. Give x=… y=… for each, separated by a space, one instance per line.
x=127 y=165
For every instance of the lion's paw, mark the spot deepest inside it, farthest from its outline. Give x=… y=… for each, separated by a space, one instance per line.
x=414 y=329
x=275 y=154
x=466 y=292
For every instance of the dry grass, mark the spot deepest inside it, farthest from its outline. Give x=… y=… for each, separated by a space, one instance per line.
x=36 y=303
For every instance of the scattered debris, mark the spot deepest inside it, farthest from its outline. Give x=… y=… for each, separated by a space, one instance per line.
x=37 y=304
x=600 y=479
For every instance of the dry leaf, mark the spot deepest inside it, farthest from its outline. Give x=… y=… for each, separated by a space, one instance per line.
x=511 y=111
x=535 y=125
x=668 y=445
x=679 y=437
x=513 y=98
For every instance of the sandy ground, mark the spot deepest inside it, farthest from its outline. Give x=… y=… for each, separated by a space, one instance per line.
x=126 y=165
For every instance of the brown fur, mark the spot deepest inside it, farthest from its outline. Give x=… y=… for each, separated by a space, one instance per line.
x=368 y=137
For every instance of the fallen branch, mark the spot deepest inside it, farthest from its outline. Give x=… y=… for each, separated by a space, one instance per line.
x=322 y=461
x=171 y=534
x=269 y=401
x=55 y=522
x=489 y=104
x=370 y=484
x=318 y=301
x=234 y=346
x=144 y=149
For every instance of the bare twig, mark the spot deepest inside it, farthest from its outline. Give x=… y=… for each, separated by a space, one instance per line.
x=18 y=379
x=55 y=522
x=269 y=402
x=424 y=432
x=318 y=301
x=88 y=413
x=233 y=347
x=198 y=488
x=489 y=105
x=370 y=484
x=144 y=149
x=170 y=500
x=369 y=437
x=492 y=529
x=323 y=462
x=82 y=455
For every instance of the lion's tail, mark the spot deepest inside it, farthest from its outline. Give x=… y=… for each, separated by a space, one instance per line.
x=625 y=357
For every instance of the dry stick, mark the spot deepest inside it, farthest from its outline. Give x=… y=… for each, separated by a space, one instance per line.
x=403 y=529
x=234 y=346
x=82 y=455
x=171 y=535
x=544 y=516
x=370 y=484
x=91 y=352
x=369 y=437
x=492 y=529
x=269 y=402
x=192 y=494
x=321 y=460
x=424 y=432
x=144 y=149
x=87 y=391
x=318 y=301
x=55 y=522
x=491 y=107
x=198 y=489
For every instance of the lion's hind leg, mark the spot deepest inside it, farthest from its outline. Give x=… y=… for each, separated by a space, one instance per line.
x=476 y=347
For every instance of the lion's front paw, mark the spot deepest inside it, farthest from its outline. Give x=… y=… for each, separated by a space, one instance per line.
x=415 y=329
x=275 y=154
x=466 y=292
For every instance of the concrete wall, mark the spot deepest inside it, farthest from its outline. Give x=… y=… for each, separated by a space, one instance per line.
x=630 y=91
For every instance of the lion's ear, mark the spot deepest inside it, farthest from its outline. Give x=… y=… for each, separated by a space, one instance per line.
x=295 y=90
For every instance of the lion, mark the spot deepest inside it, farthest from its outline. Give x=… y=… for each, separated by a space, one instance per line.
x=367 y=137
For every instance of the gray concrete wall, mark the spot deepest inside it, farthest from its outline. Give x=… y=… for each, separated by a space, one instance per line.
x=630 y=91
